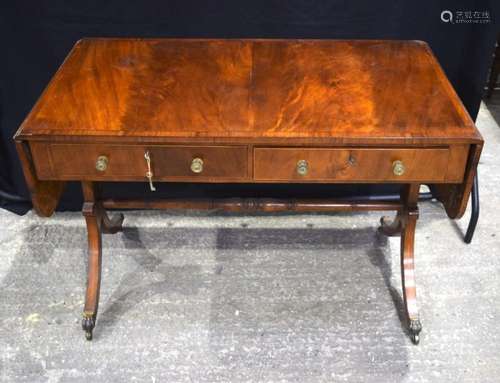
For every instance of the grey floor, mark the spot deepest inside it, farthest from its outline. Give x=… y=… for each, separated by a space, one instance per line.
x=203 y=297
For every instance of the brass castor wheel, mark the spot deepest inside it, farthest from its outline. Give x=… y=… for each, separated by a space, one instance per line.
x=88 y=335
x=414 y=338
x=88 y=324
x=414 y=328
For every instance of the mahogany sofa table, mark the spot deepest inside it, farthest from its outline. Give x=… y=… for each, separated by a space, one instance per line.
x=250 y=111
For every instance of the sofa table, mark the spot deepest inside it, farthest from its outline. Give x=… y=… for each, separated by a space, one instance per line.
x=249 y=111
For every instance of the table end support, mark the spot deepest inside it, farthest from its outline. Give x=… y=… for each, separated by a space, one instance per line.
x=97 y=222
x=404 y=224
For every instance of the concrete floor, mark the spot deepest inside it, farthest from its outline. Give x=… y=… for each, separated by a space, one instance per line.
x=204 y=297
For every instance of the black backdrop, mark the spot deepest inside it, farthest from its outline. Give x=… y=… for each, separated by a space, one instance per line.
x=36 y=36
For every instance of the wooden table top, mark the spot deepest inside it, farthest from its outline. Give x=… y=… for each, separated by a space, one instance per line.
x=317 y=91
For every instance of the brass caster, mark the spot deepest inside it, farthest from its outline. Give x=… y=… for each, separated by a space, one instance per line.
x=415 y=338
x=88 y=324
x=88 y=335
x=414 y=328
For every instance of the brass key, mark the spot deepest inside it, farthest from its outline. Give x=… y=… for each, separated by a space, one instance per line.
x=149 y=173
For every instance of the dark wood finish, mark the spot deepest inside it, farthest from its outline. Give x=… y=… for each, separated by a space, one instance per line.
x=249 y=111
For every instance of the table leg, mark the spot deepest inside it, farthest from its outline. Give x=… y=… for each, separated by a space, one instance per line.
x=405 y=224
x=94 y=267
x=408 y=275
x=97 y=222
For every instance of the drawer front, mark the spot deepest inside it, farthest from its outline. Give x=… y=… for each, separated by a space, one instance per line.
x=128 y=162
x=209 y=161
x=350 y=165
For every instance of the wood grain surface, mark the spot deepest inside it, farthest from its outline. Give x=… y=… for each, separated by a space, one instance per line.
x=352 y=165
x=76 y=161
x=127 y=162
x=322 y=91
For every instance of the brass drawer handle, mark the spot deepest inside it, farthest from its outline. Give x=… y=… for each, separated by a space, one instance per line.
x=149 y=173
x=197 y=165
x=302 y=167
x=398 y=168
x=102 y=163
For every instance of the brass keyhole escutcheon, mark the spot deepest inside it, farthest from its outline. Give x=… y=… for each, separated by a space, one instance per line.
x=302 y=167
x=398 y=168
x=197 y=165
x=102 y=163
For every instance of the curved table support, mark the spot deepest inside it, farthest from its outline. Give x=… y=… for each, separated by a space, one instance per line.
x=97 y=222
x=404 y=224
x=91 y=214
x=111 y=225
x=408 y=274
x=391 y=226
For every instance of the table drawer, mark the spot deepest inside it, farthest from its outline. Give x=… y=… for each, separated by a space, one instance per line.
x=128 y=162
x=350 y=164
